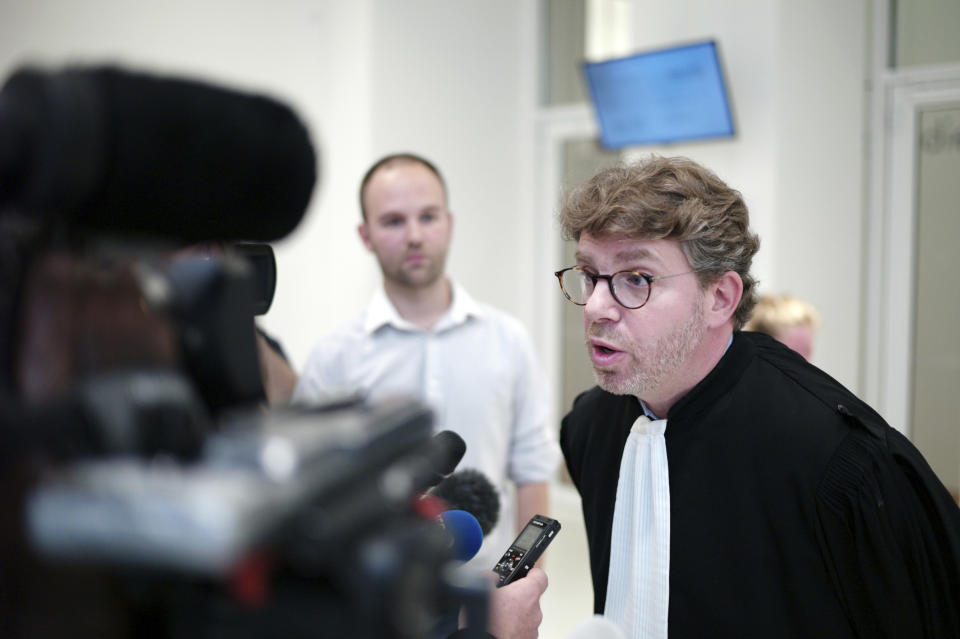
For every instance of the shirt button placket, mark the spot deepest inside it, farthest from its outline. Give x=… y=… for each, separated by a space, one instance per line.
x=432 y=383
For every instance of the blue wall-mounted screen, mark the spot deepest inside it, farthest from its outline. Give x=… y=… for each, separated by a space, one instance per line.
x=661 y=96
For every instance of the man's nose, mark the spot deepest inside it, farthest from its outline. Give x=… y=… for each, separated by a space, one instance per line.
x=414 y=233
x=601 y=304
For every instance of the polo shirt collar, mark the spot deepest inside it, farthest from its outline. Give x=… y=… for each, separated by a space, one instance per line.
x=381 y=312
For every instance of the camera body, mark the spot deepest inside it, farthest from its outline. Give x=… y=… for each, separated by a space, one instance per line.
x=298 y=519
x=198 y=510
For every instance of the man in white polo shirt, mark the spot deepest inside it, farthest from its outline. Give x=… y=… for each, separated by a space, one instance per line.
x=422 y=335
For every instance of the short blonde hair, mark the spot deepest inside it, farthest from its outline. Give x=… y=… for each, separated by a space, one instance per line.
x=773 y=314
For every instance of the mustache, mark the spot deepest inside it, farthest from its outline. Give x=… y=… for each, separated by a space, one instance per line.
x=601 y=331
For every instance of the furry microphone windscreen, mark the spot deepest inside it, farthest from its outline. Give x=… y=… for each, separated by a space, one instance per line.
x=472 y=491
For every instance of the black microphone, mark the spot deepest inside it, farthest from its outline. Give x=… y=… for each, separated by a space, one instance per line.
x=446 y=450
x=111 y=150
x=430 y=464
x=470 y=490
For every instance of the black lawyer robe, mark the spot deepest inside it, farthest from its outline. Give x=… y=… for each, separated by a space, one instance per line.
x=796 y=511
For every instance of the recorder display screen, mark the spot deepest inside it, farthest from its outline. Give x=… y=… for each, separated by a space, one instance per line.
x=528 y=536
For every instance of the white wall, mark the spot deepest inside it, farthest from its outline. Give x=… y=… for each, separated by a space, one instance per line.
x=456 y=81
x=820 y=166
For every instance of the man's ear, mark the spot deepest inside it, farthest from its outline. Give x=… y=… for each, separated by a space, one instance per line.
x=364 y=232
x=723 y=298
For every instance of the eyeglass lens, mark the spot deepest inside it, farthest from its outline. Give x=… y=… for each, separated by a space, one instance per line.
x=630 y=289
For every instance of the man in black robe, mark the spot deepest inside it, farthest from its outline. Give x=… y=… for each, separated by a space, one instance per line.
x=791 y=508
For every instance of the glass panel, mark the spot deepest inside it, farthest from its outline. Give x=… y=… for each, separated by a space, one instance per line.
x=566 y=36
x=936 y=366
x=581 y=159
x=925 y=32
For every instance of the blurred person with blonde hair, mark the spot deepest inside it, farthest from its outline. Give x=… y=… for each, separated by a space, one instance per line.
x=787 y=319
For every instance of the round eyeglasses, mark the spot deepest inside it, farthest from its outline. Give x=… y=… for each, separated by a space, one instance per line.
x=631 y=289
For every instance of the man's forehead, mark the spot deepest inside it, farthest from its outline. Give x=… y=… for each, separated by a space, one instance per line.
x=409 y=179
x=621 y=249
x=402 y=171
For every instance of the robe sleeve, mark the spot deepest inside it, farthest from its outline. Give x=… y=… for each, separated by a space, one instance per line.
x=890 y=536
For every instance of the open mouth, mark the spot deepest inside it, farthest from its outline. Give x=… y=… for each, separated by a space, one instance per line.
x=603 y=353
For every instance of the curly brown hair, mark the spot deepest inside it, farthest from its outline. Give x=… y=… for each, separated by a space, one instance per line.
x=671 y=198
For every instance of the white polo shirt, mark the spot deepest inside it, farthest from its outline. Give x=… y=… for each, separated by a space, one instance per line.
x=475 y=368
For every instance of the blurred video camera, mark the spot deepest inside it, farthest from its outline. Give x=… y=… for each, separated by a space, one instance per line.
x=146 y=488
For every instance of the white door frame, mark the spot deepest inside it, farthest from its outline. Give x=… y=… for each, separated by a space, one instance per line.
x=891 y=235
x=555 y=126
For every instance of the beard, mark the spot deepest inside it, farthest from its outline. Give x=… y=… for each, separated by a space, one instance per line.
x=654 y=362
x=423 y=276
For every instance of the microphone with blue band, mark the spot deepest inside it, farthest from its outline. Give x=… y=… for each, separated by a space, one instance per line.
x=465 y=531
